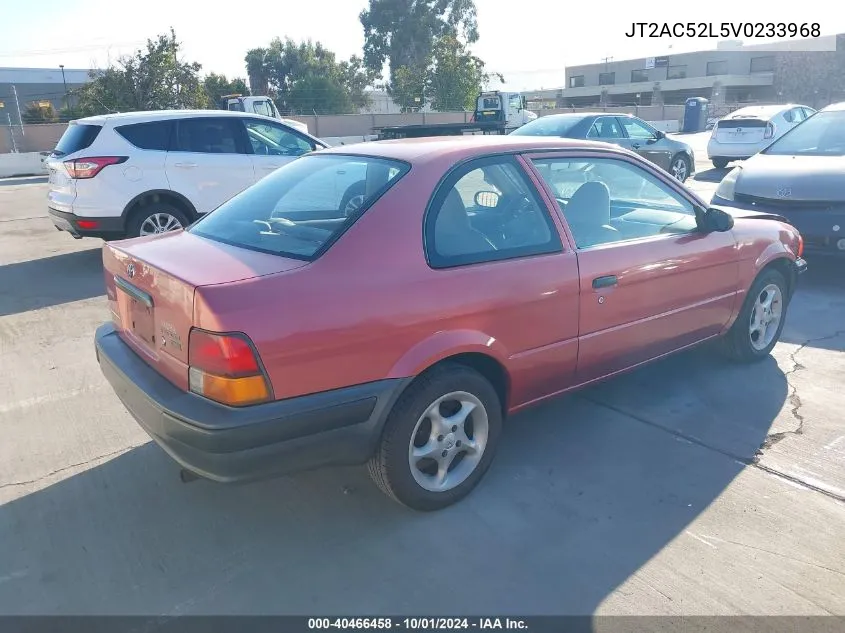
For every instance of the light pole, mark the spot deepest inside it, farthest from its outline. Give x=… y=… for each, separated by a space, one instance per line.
x=64 y=81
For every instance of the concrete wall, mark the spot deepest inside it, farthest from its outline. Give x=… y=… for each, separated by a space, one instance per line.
x=646 y=113
x=24 y=164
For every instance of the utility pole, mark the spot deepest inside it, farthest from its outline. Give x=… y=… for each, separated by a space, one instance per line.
x=64 y=81
x=18 y=106
x=606 y=60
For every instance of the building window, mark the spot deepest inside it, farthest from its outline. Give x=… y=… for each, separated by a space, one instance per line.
x=676 y=72
x=638 y=76
x=607 y=79
x=576 y=81
x=717 y=68
x=763 y=64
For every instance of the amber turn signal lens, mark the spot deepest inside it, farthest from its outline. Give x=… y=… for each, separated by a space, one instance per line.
x=235 y=392
x=800 y=246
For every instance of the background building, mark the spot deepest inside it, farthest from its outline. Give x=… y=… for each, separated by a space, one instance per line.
x=36 y=86
x=731 y=73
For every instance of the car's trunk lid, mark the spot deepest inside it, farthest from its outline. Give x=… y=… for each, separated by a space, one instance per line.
x=741 y=130
x=150 y=284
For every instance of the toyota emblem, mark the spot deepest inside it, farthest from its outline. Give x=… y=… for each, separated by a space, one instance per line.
x=130 y=270
x=784 y=192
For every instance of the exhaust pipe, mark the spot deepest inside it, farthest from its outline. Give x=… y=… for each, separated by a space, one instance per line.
x=187 y=476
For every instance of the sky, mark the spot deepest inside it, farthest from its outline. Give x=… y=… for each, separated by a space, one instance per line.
x=530 y=42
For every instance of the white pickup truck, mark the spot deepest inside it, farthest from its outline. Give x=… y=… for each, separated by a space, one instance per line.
x=259 y=105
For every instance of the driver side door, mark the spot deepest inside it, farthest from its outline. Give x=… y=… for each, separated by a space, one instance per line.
x=273 y=145
x=644 y=141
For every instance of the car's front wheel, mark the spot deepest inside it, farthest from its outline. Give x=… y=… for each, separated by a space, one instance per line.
x=681 y=167
x=760 y=321
x=439 y=438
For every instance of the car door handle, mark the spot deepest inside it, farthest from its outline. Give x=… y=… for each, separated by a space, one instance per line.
x=636 y=146
x=605 y=282
x=185 y=165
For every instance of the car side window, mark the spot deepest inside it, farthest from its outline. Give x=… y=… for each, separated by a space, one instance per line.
x=808 y=112
x=605 y=127
x=608 y=201
x=274 y=139
x=637 y=130
x=487 y=210
x=153 y=135
x=207 y=135
x=789 y=116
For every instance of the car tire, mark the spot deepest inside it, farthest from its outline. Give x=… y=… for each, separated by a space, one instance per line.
x=720 y=163
x=145 y=219
x=353 y=197
x=414 y=481
x=740 y=343
x=680 y=167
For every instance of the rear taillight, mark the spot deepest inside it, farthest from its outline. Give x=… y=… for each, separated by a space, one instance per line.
x=770 y=130
x=82 y=168
x=226 y=368
x=715 y=127
x=800 y=252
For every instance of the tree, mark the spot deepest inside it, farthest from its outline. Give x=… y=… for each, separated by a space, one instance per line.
x=217 y=86
x=152 y=79
x=305 y=77
x=404 y=32
x=456 y=77
x=408 y=87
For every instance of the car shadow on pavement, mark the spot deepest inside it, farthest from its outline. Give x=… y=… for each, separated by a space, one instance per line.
x=816 y=316
x=51 y=281
x=712 y=175
x=585 y=490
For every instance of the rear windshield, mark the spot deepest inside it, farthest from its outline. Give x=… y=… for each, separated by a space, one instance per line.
x=823 y=134
x=302 y=207
x=77 y=136
x=557 y=125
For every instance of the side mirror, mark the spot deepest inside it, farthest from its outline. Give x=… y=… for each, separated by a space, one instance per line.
x=716 y=221
x=660 y=134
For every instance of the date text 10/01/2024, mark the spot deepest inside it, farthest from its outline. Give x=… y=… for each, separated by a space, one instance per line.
x=417 y=624
x=724 y=29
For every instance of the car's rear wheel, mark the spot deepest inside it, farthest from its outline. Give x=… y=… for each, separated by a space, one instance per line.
x=720 y=163
x=439 y=438
x=760 y=321
x=155 y=219
x=681 y=167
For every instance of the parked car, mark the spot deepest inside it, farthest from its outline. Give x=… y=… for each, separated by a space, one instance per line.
x=139 y=173
x=746 y=131
x=481 y=275
x=625 y=130
x=801 y=176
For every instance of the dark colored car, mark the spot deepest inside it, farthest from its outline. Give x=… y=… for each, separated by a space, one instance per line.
x=800 y=176
x=625 y=130
x=481 y=275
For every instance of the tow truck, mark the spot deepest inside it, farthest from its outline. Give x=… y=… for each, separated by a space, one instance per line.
x=258 y=105
x=496 y=112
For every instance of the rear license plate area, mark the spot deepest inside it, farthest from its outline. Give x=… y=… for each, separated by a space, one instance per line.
x=136 y=308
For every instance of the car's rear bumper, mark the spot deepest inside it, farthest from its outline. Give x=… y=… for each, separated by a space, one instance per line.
x=823 y=231
x=106 y=228
x=230 y=444
x=734 y=151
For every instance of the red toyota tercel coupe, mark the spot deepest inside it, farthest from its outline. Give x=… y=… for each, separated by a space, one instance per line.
x=477 y=276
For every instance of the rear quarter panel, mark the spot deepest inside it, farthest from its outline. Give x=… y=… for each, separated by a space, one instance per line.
x=108 y=193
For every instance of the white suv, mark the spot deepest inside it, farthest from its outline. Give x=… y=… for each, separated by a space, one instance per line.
x=140 y=173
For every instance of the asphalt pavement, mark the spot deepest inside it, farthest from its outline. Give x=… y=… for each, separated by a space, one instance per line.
x=691 y=486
